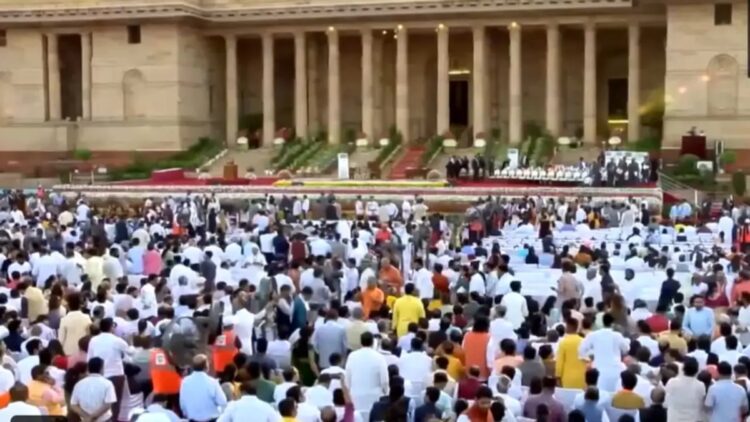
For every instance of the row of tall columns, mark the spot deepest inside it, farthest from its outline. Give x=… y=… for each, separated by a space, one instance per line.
x=553 y=115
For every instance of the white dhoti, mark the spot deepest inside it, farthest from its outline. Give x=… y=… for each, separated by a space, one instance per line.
x=609 y=377
x=363 y=402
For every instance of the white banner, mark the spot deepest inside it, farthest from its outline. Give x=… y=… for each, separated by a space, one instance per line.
x=344 y=166
x=513 y=158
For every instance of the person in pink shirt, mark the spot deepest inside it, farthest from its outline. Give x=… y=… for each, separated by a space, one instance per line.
x=152 y=262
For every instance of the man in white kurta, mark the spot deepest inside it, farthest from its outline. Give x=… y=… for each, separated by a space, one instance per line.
x=606 y=346
x=366 y=375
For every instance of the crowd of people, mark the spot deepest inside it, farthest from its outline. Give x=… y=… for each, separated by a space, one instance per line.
x=395 y=313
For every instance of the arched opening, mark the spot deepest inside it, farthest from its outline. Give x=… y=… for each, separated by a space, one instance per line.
x=721 y=88
x=133 y=85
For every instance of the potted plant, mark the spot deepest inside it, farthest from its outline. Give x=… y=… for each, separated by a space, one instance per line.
x=282 y=136
x=726 y=159
x=449 y=140
x=480 y=140
x=362 y=140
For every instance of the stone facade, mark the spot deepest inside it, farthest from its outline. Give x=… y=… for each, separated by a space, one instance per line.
x=83 y=81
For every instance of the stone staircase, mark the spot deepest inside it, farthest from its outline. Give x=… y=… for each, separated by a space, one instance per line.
x=410 y=158
x=258 y=159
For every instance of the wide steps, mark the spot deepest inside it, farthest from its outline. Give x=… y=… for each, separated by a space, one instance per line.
x=411 y=158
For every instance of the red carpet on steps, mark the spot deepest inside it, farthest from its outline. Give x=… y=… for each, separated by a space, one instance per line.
x=411 y=159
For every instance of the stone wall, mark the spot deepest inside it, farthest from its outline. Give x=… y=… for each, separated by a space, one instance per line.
x=706 y=79
x=147 y=96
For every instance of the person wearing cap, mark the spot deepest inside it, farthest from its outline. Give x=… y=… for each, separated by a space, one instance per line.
x=225 y=347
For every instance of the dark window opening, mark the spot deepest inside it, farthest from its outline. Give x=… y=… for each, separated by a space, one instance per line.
x=134 y=34
x=3 y=38
x=723 y=14
x=617 y=107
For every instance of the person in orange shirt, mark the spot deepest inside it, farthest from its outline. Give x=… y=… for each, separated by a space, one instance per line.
x=508 y=356
x=740 y=288
x=391 y=275
x=372 y=298
x=439 y=280
x=475 y=346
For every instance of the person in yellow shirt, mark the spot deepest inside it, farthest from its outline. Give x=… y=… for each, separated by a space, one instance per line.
x=408 y=308
x=454 y=368
x=570 y=369
x=674 y=337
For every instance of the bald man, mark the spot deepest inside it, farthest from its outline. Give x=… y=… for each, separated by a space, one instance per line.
x=201 y=396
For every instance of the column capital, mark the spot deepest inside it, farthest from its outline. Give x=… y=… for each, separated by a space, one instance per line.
x=514 y=27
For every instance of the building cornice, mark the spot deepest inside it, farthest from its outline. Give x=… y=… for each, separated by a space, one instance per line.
x=286 y=10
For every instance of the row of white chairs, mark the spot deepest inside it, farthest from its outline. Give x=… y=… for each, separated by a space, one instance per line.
x=566 y=175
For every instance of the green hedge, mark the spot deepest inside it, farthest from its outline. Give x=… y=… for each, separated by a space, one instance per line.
x=395 y=139
x=544 y=150
x=739 y=183
x=434 y=146
x=190 y=159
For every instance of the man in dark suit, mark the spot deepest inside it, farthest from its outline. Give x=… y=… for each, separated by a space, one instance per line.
x=656 y=412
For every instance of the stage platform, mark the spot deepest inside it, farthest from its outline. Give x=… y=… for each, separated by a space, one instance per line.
x=461 y=191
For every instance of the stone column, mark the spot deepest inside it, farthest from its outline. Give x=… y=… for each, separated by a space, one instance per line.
x=269 y=106
x=589 y=84
x=334 y=92
x=53 y=75
x=86 y=75
x=300 y=85
x=443 y=80
x=552 y=103
x=367 y=85
x=231 y=86
x=312 y=86
x=478 y=80
x=402 y=83
x=634 y=81
x=515 y=131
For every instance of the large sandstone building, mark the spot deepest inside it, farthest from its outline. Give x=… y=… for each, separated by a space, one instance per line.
x=155 y=75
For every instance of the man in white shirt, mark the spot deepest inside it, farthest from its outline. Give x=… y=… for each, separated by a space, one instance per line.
x=249 y=407
x=501 y=328
x=44 y=267
x=111 y=349
x=515 y=305
x=19 y=393
x=415 y=367
x=366 y=374
x=94 y=398
x=606 y=346
x=423 y=280
x=685 y=393
x=25 y=365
